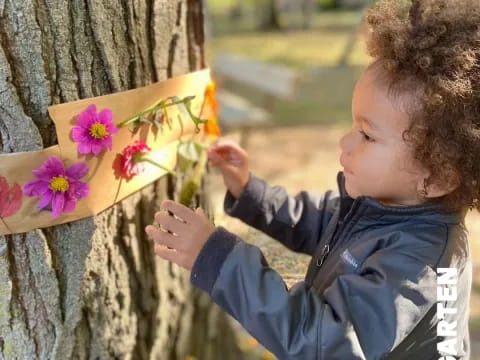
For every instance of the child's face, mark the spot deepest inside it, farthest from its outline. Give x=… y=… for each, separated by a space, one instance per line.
x=379 y=164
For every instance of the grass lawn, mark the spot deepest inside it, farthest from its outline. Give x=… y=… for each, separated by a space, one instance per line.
x=299 y=49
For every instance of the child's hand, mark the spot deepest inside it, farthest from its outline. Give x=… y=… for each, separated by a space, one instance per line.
x=232 y=161
x=191 y=232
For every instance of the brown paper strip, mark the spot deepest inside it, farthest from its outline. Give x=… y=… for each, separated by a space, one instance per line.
x=105 y=188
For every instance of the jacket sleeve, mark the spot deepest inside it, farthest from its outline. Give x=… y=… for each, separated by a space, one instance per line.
x=297 y=222
x=361 y=315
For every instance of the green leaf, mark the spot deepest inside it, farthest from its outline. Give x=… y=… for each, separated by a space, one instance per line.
x=185 y=109
x=187 y=192
x=182 y=107
x=188 y=99
x=183 y=164
x=188 y=153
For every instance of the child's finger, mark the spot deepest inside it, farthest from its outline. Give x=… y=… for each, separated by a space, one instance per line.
x=216 y=159
x=220 y=161
x=166 y=253
x=215 y=151
x=160 y=237
x=226 y=148
x=213 y=163
x=226 y=154
x=169 y=222
x=181 y=211
x=214 y=156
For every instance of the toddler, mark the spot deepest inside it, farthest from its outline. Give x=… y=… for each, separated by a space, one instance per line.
x=389 y=249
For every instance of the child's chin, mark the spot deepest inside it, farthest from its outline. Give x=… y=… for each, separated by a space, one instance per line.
x=350 y=190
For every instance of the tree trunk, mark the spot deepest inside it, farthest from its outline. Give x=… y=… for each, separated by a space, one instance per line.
x=308 y=10
x=93 y=288
x=352 y=37
x=270 y=17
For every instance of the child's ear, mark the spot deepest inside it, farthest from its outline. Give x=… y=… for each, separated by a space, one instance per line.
x=449 y=182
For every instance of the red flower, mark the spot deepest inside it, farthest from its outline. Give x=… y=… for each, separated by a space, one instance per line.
x=126 y=164
x=130 y=162
x=10 y=198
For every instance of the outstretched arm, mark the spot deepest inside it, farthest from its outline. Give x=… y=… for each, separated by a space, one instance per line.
x=296 y=221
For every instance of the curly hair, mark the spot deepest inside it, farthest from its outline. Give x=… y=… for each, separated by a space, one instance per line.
x=431 y=48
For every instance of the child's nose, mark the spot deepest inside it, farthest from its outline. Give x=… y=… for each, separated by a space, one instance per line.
x=344 y=143
x=349 y=141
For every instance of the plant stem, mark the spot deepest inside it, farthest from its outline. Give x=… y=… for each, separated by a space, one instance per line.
x=147 y=159
x=162 y=104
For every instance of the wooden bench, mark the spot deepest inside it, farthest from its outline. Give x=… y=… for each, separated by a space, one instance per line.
x=236 y=112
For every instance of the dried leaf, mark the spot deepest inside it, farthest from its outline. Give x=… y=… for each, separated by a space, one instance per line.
x=167 y=119
x=10 y=198
x=144 y=119
x=133 y=126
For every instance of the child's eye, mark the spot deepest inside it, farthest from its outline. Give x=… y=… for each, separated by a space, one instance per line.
x=366 y=137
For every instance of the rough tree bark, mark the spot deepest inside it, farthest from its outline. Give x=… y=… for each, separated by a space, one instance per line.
x=93 y=289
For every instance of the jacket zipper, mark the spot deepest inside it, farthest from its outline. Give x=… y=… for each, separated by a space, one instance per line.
x=325 y=251
x=328 y=246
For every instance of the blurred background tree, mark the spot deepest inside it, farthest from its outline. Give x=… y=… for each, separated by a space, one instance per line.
x=269 y=15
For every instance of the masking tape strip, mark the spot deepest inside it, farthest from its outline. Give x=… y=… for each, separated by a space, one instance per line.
x=105 y=188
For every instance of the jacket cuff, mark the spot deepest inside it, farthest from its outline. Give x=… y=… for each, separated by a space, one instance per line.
x=249 y=201
x=206 y=267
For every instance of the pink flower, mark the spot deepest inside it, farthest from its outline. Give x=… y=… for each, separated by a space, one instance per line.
x=62 y=188
x=130 y=162
x=93 y=131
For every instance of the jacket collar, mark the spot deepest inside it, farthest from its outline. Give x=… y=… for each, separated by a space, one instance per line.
x=372 y=208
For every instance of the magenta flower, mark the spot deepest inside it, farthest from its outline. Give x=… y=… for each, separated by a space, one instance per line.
x=93 y=131
x=59 y=187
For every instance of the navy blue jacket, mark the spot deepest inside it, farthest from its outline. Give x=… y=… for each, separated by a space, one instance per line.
x=371 y=289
